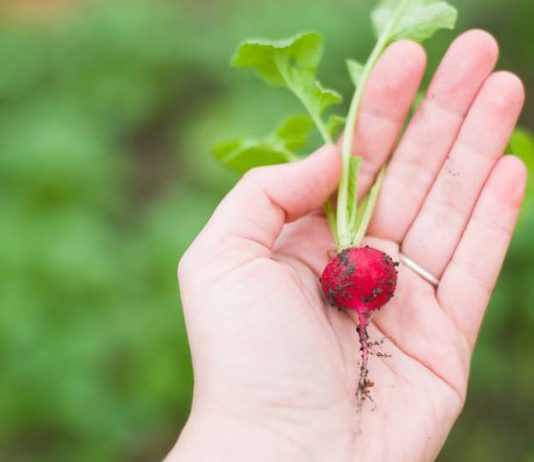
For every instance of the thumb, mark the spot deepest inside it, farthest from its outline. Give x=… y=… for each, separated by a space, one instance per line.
x=255 y=210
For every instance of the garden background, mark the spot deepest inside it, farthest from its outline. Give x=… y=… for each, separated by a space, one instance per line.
x=108 y=110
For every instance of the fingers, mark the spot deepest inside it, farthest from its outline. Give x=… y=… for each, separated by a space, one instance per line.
x=254 y=211
x=470 y=277
x=436 y=231
x=431 y=133
x=388 y=96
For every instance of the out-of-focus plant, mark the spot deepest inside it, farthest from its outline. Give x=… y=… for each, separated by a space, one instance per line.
x=94 y=359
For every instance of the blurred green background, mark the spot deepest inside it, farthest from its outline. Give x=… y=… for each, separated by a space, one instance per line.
x=107 y=113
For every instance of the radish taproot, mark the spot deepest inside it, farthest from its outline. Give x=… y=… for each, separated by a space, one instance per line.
x=362 y=279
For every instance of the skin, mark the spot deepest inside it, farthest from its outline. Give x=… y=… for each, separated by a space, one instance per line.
x=276 y=369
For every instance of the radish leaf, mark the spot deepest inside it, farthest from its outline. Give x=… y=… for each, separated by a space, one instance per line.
x=271 y=58
x=279 y=147
x=334 y=124
x=421 y=19
x=242 y=155
x=294 y=132
x=292 y=63
x=355 y=71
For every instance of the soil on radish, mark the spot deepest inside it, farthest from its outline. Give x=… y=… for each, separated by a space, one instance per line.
x=362 y=279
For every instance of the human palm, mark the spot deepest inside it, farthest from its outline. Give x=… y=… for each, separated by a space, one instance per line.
x=275 y=366
x=419 y=369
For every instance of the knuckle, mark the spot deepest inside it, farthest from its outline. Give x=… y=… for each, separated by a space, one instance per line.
x=254 y=175
x=254 y=181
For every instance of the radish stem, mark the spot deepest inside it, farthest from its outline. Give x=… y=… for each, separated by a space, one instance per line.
x=344 y=237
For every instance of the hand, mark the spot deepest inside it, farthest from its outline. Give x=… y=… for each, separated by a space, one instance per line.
x=276 y=369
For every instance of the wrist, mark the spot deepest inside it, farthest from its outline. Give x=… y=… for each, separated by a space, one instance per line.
x=213 y=437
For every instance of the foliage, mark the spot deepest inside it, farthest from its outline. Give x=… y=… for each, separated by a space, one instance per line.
x=107 y=114
x=283 y=145
x=94 y=351
x=293 y=63
x=419 y=21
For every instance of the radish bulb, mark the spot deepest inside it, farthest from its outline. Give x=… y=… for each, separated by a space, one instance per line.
x=362 y=279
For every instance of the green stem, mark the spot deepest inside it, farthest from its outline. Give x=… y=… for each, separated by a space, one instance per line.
x=367 y=211
x=321 y=127
x=325 y=135
x=344 y=238
x=353 y=212
x=330 y=216
x=327 y=206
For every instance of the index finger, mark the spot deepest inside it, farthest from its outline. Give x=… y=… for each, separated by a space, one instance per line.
x=387 y=98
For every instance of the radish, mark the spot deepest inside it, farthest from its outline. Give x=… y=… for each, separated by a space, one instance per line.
x=362 y=279
x=358 y=278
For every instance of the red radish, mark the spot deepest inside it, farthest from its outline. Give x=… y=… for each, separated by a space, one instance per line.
x=361 y=279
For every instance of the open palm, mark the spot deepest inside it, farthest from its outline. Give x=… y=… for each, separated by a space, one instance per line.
x=276 y=368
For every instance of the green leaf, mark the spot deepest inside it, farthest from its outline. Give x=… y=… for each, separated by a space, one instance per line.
x=244 y=155
x=355 y=71
x=315 y=98
x=292 y=63
x=324 y=97
x=272 y=58
x=419 y=21
x=334 y=124
x=294 y=132
x=277 y=148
